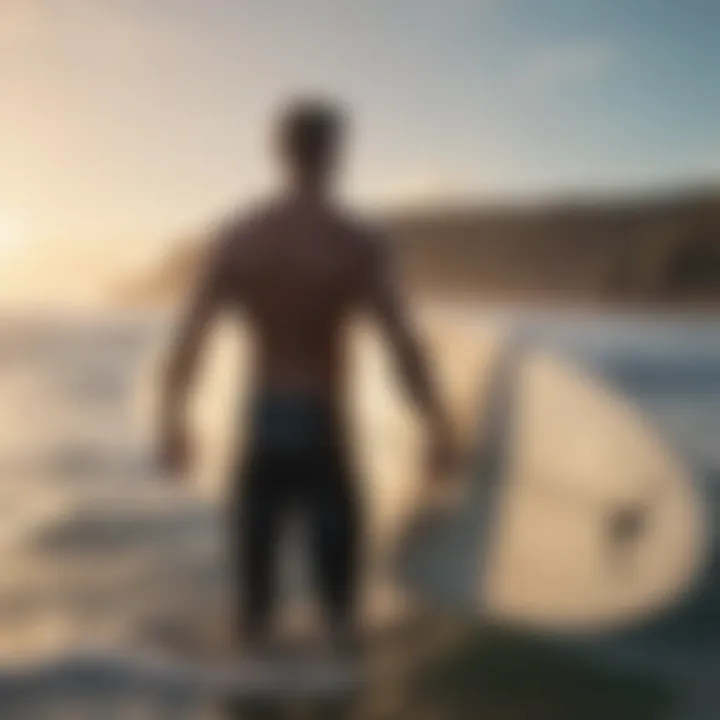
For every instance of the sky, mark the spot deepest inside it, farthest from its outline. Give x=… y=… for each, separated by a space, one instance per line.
x=127 y=124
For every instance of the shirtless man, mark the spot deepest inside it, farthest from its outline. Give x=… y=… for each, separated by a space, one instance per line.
x=298 y=269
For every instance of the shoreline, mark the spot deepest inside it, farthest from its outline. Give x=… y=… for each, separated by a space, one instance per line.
x=475 y=303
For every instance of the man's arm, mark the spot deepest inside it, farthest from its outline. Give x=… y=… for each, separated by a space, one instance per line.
x=389 y=306
x=204 y=303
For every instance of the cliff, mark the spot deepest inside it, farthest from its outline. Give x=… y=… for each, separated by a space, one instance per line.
x=662 y=249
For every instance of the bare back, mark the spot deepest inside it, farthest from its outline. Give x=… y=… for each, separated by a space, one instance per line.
x=297 y=272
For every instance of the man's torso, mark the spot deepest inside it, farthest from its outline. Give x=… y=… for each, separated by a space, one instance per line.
x=297 y=272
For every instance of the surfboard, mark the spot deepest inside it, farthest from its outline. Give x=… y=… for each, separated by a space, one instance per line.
x=576 y=514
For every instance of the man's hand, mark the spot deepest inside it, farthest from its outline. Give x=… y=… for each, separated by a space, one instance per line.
x=175 y=454
x=442 y=457
x=443 y=489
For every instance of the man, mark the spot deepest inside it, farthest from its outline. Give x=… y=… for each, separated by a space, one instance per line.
x=299 y=269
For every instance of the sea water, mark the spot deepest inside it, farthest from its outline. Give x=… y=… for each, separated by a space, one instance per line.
x=95 y=550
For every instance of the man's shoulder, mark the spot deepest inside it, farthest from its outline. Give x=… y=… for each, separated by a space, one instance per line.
x=365 y=232
x=242 y=223
x=230 y=239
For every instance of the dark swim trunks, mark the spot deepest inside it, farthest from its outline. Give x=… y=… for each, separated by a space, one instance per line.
x=295 y=464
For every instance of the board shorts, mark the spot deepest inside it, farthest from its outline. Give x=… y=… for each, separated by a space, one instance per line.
x=295 y=465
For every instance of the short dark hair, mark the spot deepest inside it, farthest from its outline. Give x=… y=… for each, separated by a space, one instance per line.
x=309 y=132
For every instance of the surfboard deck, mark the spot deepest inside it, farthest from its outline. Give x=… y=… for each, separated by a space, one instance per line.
x=577 y=514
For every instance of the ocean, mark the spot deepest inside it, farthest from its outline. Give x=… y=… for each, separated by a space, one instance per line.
x=97 y=553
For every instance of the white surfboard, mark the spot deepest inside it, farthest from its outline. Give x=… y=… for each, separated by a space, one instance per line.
x=576 y=515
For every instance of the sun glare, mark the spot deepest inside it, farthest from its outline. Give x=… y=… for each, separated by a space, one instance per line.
x=10 y=236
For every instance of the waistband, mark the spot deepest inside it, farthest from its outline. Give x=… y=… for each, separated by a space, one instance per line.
x=292 y=420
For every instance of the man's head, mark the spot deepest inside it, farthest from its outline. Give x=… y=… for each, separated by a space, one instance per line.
x=309 y=138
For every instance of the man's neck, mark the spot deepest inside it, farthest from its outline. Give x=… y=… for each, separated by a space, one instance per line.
x=309 y=193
